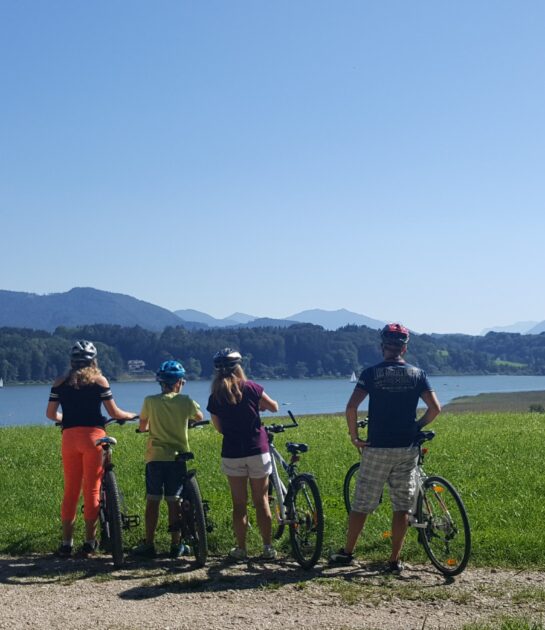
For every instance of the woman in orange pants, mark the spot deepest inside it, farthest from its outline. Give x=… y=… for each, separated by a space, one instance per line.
x=81 y=394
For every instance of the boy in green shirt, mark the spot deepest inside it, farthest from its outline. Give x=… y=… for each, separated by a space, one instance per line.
x=166 y=416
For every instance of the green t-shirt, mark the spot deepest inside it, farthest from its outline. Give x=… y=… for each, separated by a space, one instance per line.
x=168 y=416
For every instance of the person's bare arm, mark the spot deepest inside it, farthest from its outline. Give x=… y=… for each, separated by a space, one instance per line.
x=216 y=422
x=52 y=412
x=433 y=410
x=266 y=403
x=198 y=416
x=358 y=396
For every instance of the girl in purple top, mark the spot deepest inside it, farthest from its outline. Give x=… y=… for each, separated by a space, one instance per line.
x=234 y=406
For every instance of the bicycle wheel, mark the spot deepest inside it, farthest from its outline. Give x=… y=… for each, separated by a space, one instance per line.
x=349 y=485
x=195 y=520
x=306 y=520
x=274 y=504
x=447 y=536
x=111 y=525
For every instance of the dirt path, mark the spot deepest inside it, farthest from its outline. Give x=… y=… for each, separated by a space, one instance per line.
x=44 y=592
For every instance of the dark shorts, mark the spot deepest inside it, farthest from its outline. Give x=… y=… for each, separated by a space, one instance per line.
x=163 y=479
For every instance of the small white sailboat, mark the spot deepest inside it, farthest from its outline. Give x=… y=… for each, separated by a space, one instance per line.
x=353 y=378
x=1 y=382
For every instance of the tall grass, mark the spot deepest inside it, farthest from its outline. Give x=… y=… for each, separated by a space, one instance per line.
x=495 y=460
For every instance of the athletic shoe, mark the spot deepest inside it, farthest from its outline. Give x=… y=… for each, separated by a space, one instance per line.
x=395 y=568
x=269 y=553
x=64 y=551
x=87 y=550
x=179 y=549
x=145 y=550
x=341 y=557
x=238 y=554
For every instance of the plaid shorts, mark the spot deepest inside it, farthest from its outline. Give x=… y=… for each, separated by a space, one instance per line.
x=394 y=466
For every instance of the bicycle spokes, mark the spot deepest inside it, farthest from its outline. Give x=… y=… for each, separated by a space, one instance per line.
x=446 y=535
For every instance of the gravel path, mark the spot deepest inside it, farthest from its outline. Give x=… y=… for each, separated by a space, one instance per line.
x=45 y=592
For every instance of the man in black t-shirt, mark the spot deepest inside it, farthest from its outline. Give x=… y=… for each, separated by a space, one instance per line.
x=388 y=456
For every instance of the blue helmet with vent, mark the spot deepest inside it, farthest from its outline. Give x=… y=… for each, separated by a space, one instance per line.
x=170 y=372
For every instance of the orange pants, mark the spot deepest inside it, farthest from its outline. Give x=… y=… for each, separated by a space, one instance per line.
x=82 y=464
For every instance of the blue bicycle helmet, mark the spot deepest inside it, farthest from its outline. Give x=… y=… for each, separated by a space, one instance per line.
x=170 y=372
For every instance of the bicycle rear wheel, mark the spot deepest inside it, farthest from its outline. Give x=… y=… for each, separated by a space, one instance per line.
x=306 y=520
x=275 y=497
x=195 y=520
x=447 y=535
x=349 y=485
x=111 y=521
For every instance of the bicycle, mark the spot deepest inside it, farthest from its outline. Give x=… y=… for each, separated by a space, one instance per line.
x=111 y=515
x=438 y=513
x=193 y=522
x=297 y=505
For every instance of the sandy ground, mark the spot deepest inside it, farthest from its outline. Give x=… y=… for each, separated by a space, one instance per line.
x=45 y=592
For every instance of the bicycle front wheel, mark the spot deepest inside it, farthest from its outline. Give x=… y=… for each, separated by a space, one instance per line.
x=195 y=521
x=447 y=536
x=112 y=525
x=306 y=520
x=349 y=485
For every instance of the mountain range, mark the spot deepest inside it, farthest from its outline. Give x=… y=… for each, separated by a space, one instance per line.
x=85 y=305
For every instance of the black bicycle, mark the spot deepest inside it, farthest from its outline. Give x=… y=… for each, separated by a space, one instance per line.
x=113 y=518
x=298 y=503
x=438 y=513
x=193 y=523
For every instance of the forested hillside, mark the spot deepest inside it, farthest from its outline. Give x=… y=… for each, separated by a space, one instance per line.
x=302 y=350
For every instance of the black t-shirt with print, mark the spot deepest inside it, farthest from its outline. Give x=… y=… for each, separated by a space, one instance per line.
x=394 y=389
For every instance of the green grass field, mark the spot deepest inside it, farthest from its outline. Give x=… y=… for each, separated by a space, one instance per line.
x=494 y=459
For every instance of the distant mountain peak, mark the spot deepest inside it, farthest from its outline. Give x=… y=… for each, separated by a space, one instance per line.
x=332 y=320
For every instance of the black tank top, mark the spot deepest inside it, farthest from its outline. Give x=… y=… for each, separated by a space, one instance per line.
x=81 y=407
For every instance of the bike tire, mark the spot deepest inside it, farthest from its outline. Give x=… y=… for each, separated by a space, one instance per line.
x=195 y=521
x=447 y=535
x=306 y=520
x=275 y=499
x=349 y=485
x=112 y=527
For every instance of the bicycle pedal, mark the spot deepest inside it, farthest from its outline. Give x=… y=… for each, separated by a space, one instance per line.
x=130 y=521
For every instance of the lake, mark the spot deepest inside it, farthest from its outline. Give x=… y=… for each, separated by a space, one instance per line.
x=25 y=404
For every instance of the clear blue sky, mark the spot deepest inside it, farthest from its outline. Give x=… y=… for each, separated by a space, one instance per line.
x=268 y=157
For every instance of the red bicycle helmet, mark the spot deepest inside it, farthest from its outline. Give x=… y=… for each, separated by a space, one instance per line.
x=394 y=335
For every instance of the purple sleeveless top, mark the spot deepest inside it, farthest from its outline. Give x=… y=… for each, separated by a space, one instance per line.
x=243 y=433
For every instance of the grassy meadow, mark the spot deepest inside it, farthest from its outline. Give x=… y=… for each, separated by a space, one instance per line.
x=495 y=460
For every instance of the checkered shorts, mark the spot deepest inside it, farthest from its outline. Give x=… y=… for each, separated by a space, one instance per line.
x=394 y=466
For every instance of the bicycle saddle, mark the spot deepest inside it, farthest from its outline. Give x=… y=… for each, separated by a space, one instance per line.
x=184 y=457
x=423 y=436
x=105 y=440
x=295 y=447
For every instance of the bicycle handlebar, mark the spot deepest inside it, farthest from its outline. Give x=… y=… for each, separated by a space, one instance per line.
x=191 y=425
x=280 y=428
x=108 y=421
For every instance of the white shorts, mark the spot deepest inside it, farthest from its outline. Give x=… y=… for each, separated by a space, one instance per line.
x=254 y=466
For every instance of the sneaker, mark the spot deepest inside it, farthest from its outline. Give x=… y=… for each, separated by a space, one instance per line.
x=144 y=550
x=269 y=553
x=395 y=568
x=87 y=550
x=179 y=549
x=238 y=554
x=64 y=551
x=341 y=557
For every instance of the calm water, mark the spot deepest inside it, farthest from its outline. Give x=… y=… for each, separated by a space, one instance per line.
x=26 y=404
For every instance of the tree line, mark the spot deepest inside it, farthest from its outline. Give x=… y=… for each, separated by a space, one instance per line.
x=299 y=351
